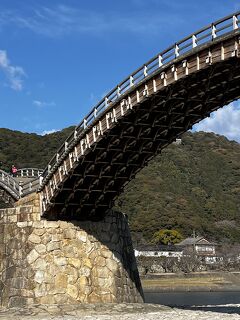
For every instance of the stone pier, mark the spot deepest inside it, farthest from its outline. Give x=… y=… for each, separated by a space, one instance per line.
x=59 y=262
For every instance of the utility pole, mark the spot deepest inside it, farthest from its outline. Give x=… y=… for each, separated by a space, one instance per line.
x=194 y=243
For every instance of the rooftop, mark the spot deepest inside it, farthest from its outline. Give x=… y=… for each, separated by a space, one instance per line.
x=195 y=240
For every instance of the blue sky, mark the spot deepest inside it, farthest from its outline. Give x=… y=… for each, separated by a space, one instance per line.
x=58 y=58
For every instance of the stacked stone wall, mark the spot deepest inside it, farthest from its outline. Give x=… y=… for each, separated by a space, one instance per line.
x=50 y=262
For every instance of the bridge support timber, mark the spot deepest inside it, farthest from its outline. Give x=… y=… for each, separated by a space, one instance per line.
x=48 y=262
x=6 y=198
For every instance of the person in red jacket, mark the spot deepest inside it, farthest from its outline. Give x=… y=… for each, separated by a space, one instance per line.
x=14 y=171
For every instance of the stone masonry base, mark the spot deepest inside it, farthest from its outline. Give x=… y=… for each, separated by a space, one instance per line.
x=59 y=262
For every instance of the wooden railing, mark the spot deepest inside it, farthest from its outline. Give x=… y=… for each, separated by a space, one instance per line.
x=29 y=172
x=9 y=183
x=20 y=189
x=208 y=34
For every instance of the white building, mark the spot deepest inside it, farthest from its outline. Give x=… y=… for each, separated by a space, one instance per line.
x=159 y=251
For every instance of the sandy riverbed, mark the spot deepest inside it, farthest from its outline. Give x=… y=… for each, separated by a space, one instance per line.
x=119 y=312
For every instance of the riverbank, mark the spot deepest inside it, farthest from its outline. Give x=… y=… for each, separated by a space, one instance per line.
x=215 y=281
x=199 y=281
x=118 y=312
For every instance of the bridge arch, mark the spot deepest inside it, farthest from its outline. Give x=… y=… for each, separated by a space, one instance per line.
x=143 y=114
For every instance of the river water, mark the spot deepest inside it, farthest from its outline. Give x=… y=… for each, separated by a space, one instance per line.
x=193 y=298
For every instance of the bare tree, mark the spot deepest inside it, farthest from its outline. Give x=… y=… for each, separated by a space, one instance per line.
x=189 y=263
x=229 y=257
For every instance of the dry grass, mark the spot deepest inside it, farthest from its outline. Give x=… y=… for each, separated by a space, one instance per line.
x=185 y=282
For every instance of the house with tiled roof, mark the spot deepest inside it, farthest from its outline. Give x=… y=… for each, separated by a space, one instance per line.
x=198 y=245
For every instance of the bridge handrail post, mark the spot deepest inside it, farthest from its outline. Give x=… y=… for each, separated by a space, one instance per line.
x=75 y=134
x=106 y=102
x=20 y=190
x=235 y=22
x=214 y=31
x=40 y=180
x=145 y=71
x=194 y=41
x=176 y=50
x=160 y=58
x=118 y=91
x=66 y=146
x=131 y=81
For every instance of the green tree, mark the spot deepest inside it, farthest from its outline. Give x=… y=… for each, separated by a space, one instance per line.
x=167 y=236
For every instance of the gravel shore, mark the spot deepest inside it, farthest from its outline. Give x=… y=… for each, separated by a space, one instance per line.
x=120 y=312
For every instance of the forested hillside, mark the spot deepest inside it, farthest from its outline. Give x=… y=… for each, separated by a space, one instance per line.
x=192 y=186
x=29 y=150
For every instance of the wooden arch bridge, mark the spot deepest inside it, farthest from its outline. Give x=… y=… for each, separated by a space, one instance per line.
x=143 y=114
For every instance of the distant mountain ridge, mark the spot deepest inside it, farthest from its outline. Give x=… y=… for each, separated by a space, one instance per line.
x=191 y=186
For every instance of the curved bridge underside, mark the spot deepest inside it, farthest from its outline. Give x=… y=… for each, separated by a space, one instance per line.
x=136 y=127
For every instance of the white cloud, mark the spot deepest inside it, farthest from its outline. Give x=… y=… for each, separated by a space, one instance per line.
x=60 y=20
x=42 y=104
x=225 y=121
x=48 y=132
x=14 y=74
